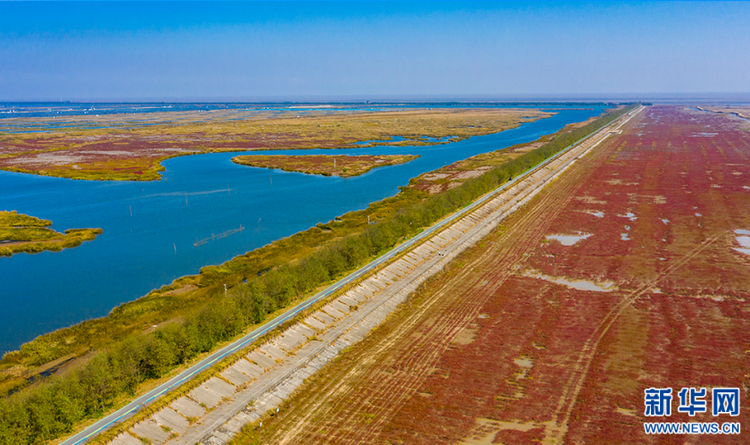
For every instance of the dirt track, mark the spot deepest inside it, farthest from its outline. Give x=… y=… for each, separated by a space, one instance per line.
x=488 y=354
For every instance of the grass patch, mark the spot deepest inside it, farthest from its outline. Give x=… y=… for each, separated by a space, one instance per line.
x=23 y=233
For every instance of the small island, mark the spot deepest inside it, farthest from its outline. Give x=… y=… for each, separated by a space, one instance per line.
x=326 y=165
x=23 y=233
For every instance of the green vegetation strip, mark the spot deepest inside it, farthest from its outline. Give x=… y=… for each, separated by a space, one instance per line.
x=54 y=407
x=23 y=233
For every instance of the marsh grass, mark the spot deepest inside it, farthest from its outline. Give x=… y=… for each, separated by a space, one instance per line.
x=97 y=154
x=23 y=233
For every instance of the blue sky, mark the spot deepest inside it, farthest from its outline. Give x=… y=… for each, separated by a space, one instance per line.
x=279 y=50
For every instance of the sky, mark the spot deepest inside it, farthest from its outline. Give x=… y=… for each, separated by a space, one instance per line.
x=338 y=50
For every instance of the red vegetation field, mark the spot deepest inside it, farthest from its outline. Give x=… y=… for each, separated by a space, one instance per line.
x=502 y=348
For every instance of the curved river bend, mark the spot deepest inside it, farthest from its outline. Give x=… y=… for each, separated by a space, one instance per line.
x=199 y=195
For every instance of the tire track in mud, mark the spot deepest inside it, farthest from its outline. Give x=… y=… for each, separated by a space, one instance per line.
x=417 y=356
x=548 y=207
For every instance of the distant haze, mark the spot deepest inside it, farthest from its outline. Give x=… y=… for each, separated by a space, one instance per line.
x=360 y=50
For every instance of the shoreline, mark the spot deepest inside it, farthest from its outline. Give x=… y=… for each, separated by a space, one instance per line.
x=194 y=287
x=192 y=291
x=136 y=154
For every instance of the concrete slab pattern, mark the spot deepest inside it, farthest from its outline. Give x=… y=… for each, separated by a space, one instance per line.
x=151 y=431
x=370 y=289
x=188 y=407
x=316 y=324
x=261 y=360
x=304 y=330
x=357 y=296
x=389 y=274
x=171 y=419
x=347 y=301
x=236 y=377
x=204 y=396
x=332 y=311
x=248 y=368
x=126 y=439
x=273 y=351
x=401 y=267
x=376 y=282
x=288 y=342
x=324 y=318
x=343 y=308
x=412 y=260
x=220 y=387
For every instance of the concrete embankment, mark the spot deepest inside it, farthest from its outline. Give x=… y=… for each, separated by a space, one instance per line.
x=260 y=380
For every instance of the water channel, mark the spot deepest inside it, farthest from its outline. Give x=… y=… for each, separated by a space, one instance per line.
x=150 y=228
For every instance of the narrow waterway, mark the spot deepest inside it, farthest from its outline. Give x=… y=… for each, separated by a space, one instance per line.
x=150 y=228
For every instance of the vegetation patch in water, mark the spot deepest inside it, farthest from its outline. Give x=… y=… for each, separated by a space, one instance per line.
x=23 y=233
x=326 y=165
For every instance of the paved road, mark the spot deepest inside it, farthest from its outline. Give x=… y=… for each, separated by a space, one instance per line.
x=133 y=407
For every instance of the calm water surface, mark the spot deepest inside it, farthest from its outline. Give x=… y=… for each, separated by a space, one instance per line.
x=150 y=227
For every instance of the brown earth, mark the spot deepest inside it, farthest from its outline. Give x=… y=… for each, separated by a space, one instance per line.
x=489 y=353
x=743 y=112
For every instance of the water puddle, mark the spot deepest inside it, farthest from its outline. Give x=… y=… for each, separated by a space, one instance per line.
x=624 y=237
x=525 y=364
x=665 y=221
x=569 y=240
x=743 y=239
x=597 y=213
x=704 y=135
x=630 y=215
x=606 y=286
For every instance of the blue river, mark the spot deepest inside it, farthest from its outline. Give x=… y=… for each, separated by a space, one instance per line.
x=150 y=228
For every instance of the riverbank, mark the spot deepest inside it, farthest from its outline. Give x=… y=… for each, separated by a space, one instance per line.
x=188 y=293
x=224 y=318
x=21 y=233
x=113 y=153
x=326 y=165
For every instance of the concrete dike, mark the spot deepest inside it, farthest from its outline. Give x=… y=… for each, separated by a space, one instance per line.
x=260 y=379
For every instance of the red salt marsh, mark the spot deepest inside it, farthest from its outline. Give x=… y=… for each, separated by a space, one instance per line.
x=508 y=345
